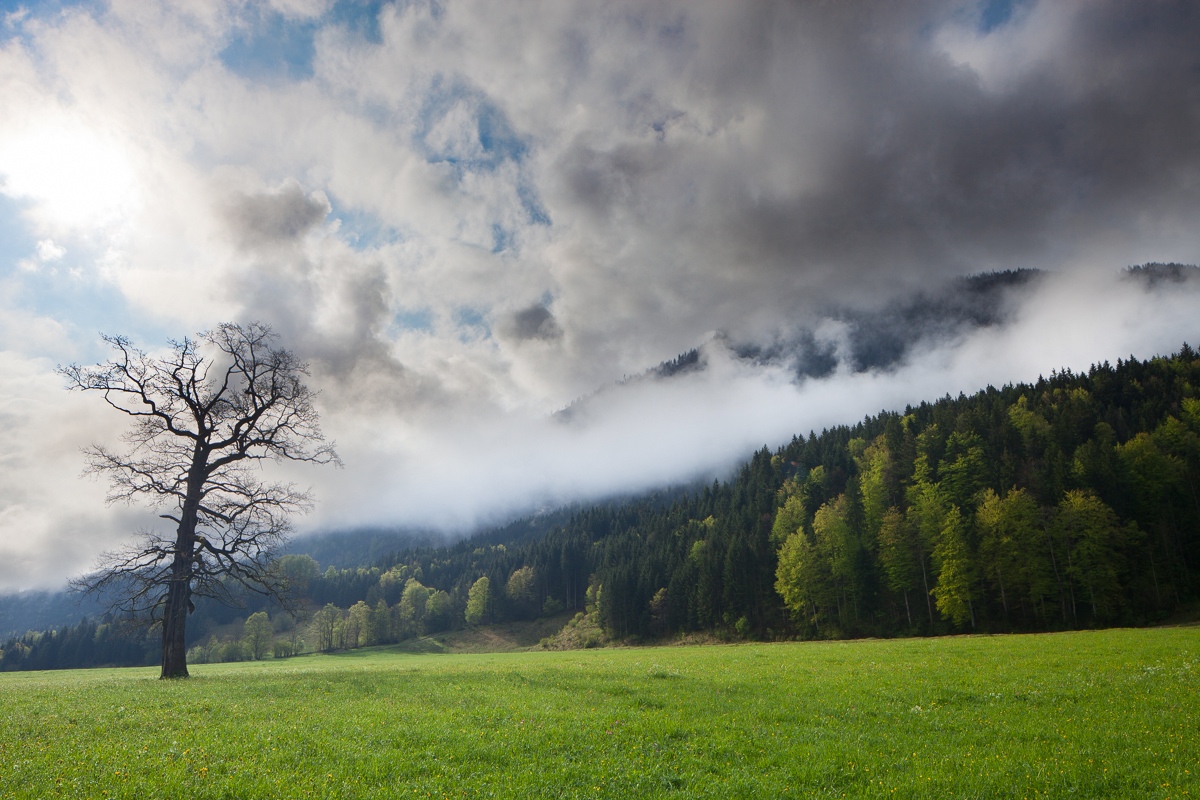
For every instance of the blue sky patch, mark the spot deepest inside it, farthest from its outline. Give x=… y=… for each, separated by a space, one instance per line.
x=359 y=16
x=532 y=203
x=275 y=48
x=69 y=290
x=486 y=124
x=502 y=238
x=996 y=13
x=16 y=242
x=418 y=319
x=472 y=324
x=469 y=317
x=362 y=230
x=461 y=127
x=46 y=8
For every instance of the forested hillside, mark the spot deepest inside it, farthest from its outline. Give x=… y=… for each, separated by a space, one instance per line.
x=1071 y=502
x=1067 y=503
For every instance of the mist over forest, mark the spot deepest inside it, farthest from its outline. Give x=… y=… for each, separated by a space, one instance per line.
x=1065 y=503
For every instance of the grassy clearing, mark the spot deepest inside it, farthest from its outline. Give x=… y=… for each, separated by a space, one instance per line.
x=1106 y=714
x=505 y=638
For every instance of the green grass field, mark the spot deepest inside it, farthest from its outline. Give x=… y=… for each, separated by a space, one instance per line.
x=1109 y=714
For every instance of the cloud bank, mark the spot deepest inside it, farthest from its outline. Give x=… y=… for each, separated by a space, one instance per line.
x=467 y=216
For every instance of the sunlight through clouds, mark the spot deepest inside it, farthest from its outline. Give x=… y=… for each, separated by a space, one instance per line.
x=80 y=180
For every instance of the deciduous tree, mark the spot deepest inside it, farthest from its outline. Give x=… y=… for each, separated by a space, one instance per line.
x=324 y=625
x=479 y=602
x=955 y=589
x=259 y=635
x=205 y=414
x=521 y=592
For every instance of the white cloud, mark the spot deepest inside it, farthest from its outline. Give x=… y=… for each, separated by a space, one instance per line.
x=47 y=250
x=53 y=523
x=302 y=9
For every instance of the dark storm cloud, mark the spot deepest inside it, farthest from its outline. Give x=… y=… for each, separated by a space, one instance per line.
x=884 y=155
x=333 y=311
x=534 y=322
x=274 y=217
x=879 y=339
x=883 y=338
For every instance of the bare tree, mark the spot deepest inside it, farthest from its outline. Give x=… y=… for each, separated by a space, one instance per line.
x=205 y=416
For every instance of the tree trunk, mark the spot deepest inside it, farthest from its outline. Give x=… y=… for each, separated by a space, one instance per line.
x=1154 y=575
x=174 y=648
x=179 y=589
x=1071 y=583
x=925 y=584
x=1058 y=578
x=1003 y=596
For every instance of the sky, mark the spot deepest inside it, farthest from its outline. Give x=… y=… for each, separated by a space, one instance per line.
x=484 y=225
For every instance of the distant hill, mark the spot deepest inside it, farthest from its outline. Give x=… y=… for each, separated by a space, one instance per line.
x=881 y=338
x=874 y=338
x=360 y=548
x=1154 y=273
x=41 y=610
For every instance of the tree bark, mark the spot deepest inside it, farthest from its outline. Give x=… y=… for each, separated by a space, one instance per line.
x=1003 y=596
x=1057 y=577
x=179 y=590
x=925 y=584
x=174 y=647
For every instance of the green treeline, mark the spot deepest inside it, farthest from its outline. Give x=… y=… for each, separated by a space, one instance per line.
x=1068 y=503
x=90 y=643
x=1072 y=502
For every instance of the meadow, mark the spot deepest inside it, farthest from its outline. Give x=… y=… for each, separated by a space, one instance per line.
x=1106 y=714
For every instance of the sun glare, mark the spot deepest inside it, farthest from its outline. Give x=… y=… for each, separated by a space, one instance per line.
x=77 y=178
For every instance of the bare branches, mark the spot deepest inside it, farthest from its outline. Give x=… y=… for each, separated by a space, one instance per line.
x=137 y=385
x=202 y=416
x=132 y=477
x=130 y=579
x=264 y=410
